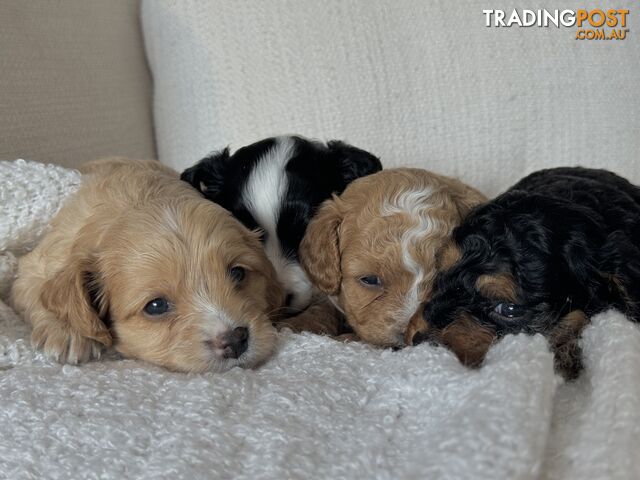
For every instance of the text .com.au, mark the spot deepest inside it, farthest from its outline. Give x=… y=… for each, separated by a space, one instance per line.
x=595 y=24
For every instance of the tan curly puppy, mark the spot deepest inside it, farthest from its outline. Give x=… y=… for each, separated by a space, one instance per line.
x=373 y=248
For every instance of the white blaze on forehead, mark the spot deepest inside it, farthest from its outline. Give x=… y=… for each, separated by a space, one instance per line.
x=414 y=203
x=263 y=195
x=267 y=185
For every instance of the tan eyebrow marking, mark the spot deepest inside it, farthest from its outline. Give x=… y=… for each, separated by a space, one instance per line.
x=500 y=286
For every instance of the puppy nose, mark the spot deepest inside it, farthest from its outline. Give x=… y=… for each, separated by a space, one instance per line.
x=288 y=300
x=419 y=337
x=237 y=342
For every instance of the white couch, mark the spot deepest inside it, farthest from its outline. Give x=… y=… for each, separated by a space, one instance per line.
x=419 y=83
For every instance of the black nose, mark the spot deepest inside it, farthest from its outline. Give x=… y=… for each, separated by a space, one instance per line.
x=288 y=300
x=237 y=342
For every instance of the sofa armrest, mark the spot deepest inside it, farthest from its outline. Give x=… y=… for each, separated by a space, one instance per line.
x=75 y=83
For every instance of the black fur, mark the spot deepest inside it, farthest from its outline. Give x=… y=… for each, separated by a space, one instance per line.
x=570 y=238
x=314 y=171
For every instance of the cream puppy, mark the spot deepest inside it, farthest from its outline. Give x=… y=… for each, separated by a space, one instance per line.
x=373 y=248
x=139 y=260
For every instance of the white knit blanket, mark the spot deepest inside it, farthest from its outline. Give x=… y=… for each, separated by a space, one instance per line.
x=317 y=409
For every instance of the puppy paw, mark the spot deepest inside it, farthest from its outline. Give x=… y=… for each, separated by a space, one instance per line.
x=299 y=324
x=321 y=319
x=64 y=345
x=568 y=359
x=281 y=325
x=347 y=338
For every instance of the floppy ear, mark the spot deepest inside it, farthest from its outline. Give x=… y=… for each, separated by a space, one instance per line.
x=207 y=176
x=582 y=265
x=319 y=250
x=620 y=266
x=354 y=162
x=70 y=296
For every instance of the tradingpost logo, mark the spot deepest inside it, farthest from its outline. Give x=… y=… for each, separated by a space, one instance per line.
x=595 y=24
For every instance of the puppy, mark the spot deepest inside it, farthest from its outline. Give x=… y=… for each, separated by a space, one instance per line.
x=558 y=247
x=276 y=185
x=139 y=260
x=373 y=248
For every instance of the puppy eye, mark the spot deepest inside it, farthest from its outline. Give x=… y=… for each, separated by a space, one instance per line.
x=237 y=274
x=509 y=310
x=371 y=281
x=157 y=306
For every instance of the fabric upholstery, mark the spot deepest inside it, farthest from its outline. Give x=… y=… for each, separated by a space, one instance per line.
x=418 y=83
x=74 y=84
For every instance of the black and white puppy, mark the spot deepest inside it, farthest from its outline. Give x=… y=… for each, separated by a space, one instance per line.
x=275 y=185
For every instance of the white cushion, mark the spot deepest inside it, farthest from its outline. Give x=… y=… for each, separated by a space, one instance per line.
x=74 y=84
x=418 y=83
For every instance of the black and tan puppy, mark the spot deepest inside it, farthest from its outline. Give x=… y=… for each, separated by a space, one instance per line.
x=558 y=247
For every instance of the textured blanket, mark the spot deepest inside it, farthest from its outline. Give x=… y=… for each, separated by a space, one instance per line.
x=317 y=409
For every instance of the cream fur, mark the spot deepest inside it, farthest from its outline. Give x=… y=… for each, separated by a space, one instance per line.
x=132 y=233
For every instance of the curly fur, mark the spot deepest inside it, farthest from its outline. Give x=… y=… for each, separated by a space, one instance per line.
x=388 y=225
x=565 y=240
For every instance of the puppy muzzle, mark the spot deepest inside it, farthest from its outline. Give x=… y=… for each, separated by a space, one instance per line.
x=232 y=343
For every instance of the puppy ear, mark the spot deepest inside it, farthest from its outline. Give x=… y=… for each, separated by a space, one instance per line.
x=620 y=266
x=354 y=162
x=582 y=266
x=319 y=249
x=207 y=176
x=68 y=295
